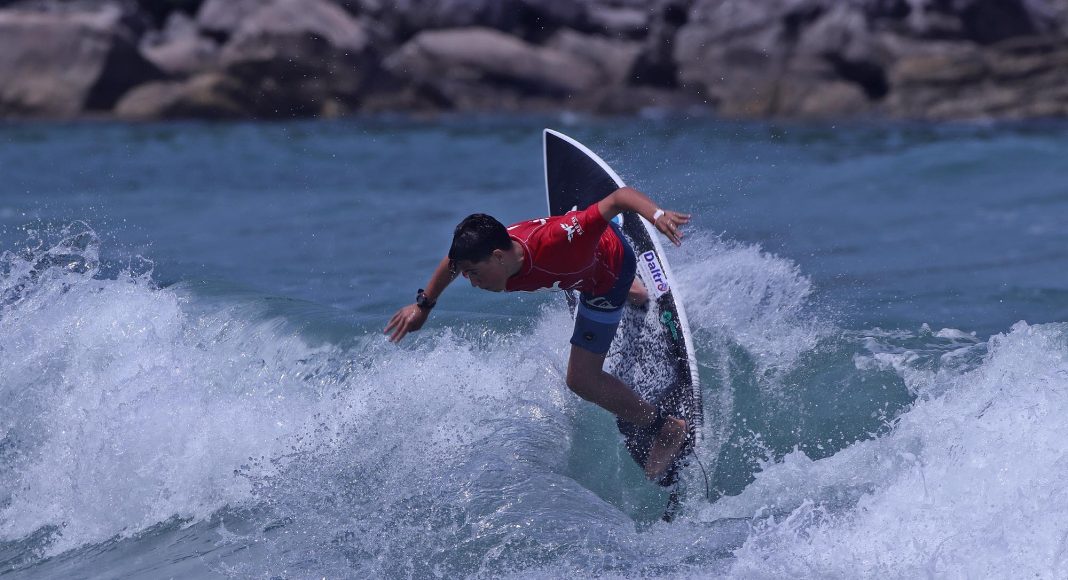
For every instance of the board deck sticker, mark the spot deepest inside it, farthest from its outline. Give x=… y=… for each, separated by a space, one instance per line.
x=653 y=351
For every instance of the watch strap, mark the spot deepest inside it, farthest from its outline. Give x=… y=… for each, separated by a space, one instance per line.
x=422 y=301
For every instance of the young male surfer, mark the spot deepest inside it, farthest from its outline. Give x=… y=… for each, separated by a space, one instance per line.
x=582 y=250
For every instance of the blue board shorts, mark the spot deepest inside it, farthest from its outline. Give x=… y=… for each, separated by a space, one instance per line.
x=598 y=316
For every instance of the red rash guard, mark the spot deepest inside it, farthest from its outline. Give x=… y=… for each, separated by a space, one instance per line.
x=575 y=251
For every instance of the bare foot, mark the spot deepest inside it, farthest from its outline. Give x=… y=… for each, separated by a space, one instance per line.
x=667 y=443
x=637 y=295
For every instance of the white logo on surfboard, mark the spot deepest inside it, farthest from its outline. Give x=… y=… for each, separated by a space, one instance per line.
x=653 y=274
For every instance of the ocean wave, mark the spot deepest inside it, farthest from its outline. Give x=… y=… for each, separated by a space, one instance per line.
x=968 y=483
x=739 y=292
x=119 y=409
x=133 y=411
x=129 y=407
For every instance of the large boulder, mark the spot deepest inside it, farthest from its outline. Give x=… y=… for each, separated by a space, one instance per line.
x=618 y=21
x=734 y=53
x=613 y=58
x=990 y=21
x=283 y=20
x=477 y=68
x=944 y=64
x=1055 y=17
x=300 y=58
x=128 y=13
x=655 y=65
x=842 y=46
x=825 y=58
x=808 y=97
x=220 y=18
x=978 y=21
x=61 y=64
x=721 y=20
x=803 y=58
x=205 y=96
x=179 y=49
x=1015 y=79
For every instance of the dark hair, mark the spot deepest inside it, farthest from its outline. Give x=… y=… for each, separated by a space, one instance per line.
x=476 y=237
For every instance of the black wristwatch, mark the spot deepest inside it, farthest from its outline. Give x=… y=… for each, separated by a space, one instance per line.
x=422 y=301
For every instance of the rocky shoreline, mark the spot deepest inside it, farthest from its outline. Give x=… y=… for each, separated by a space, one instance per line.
x=264 y=59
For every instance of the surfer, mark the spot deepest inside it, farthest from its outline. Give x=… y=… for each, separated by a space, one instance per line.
x=582 y=250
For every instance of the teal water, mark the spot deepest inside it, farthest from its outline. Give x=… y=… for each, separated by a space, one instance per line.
x=193 y=383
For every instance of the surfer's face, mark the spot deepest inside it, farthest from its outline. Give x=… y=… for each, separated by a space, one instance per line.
x=489 y=274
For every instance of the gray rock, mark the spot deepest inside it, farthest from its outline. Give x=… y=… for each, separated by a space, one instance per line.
x=734 y=55
x=206 y=96
x=979 y=21
x=842 y=33
x=960 y=65
x=803 y=58
x=179 y=49
x=644 y=100
x=842 y=42
x=1016 y=79
x=279 y=20
x=618 y=21
x=539 y=19
x=483 y=68
x=60 y=65
x=367 y=8
x=613 y=58
x=655 y=65
x=1024 y=59
x=928 y=59
x=814 y=98
x=220 y=18
x=720 y=20
x=1053 y=16
x=178 y=25
x=990 y=21
x=300 y=57
x=133 y=20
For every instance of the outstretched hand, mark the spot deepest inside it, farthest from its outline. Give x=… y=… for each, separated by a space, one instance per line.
x=669 y=223
x=407 y=319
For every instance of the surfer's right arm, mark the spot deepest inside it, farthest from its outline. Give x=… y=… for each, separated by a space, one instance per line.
x=624 y=199
x=413 y=316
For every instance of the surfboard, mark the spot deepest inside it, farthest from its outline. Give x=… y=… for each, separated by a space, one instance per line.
x=653 y=350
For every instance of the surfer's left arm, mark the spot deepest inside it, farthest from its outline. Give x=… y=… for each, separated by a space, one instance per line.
x=630 y=199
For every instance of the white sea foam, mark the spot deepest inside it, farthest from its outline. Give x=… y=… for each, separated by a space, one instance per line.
x=118 y=410
x=750 y=297
x=970 y=482
x=125 y=405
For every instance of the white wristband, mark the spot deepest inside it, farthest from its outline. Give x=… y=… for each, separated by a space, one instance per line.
x=659 y=213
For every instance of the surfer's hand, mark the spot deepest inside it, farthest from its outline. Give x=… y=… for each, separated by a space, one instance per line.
x=407 y=319
x=669 y=225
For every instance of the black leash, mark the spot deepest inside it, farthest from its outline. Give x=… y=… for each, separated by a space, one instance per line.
x=673 y=499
